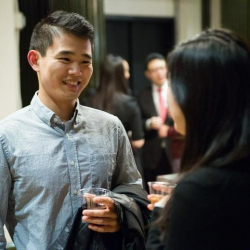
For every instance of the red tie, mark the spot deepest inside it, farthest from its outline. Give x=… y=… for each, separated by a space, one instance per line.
x=162 y=108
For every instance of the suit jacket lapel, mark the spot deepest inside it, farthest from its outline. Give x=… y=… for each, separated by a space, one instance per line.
x=151 y=104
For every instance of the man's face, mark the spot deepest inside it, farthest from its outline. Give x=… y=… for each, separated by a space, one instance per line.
x=157 y=71
x=65 y=70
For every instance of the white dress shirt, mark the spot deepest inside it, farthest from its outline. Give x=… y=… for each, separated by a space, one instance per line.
x=155 y=93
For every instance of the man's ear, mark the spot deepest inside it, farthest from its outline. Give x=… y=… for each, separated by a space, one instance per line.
x=146 y=73
x=33 y=58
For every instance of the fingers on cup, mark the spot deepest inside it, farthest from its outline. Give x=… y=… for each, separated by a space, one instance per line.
x=153 y=198
x=87 y=197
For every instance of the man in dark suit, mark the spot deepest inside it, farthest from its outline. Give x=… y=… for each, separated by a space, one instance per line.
x=156 y=120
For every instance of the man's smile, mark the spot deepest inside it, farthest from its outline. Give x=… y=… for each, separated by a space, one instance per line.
x=73 y=83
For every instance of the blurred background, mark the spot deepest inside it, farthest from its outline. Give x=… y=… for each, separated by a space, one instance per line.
x=130 y=28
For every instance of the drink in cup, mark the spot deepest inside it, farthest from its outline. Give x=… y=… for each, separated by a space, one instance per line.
x=159 y=189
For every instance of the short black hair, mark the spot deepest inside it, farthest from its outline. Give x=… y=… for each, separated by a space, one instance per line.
x=153 y=56
x=56 y=23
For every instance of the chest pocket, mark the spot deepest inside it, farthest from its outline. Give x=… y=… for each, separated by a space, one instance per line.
x=102 y=167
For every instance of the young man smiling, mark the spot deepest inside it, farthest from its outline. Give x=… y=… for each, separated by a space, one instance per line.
x=54 y=147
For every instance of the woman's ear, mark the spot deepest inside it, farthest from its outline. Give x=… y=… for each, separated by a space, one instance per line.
x=33 y=58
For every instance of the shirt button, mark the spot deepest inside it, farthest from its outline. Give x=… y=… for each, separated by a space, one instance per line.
x=76 y=192
x=72 y=163
x=55 y=119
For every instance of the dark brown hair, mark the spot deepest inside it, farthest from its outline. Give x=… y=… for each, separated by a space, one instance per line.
x=112 y=84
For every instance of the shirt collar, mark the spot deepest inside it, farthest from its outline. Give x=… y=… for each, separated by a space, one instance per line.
x=47 y=115
x=163 y=87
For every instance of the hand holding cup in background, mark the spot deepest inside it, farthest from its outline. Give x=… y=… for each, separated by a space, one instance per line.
x=158 y=190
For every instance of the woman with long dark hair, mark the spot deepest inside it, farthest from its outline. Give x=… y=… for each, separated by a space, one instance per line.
x=112 y=84
x=113 y=97
x=209 y=98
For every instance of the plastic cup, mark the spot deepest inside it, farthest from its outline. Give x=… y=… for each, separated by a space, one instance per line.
x=86 y=196
x=160 y=189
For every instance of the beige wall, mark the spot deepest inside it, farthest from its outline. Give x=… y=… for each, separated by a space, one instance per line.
x=10 y=99
x=189 y=19
x=215 y=13
x=153 y=8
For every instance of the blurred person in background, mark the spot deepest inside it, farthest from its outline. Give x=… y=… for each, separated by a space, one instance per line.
x=157 y=122
x=113 y=97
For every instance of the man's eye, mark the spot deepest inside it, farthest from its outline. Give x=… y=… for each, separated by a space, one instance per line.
x=64 y=59
x=86 y=62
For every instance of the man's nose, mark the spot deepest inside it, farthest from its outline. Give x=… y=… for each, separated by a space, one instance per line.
x=76 y=70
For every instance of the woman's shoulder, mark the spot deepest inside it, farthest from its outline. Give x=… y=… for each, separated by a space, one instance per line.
x=209 y=175
x=126 y=98
x=217 y=180
x=128 y=101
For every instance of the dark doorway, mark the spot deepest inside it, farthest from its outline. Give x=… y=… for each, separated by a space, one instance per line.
x=134 y=38
x=34 y=11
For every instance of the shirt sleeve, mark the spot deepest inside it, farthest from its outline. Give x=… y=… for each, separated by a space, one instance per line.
x=5 y=185
x=125 y=169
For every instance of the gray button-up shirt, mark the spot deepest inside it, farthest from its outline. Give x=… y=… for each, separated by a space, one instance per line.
x=44 y=162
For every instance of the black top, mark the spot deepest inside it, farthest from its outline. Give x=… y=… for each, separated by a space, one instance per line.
x=128 y=111
x=210 y=211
